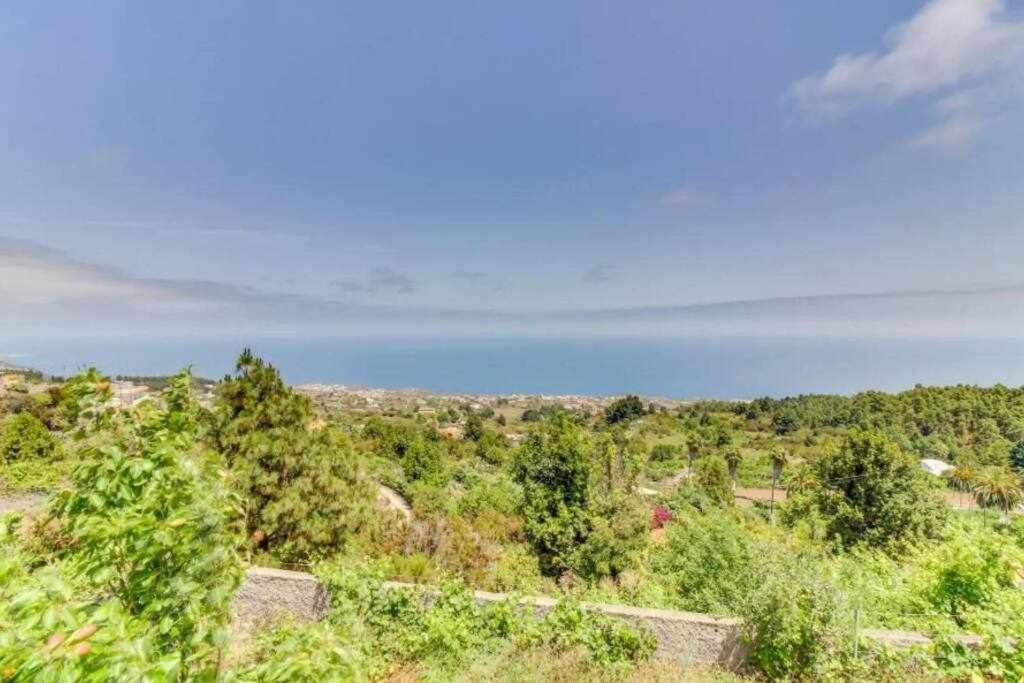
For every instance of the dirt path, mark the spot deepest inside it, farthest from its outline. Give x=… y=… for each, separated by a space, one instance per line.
x=22 y=502
x=393 y=500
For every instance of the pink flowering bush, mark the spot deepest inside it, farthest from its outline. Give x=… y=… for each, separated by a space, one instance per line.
x=660 y=516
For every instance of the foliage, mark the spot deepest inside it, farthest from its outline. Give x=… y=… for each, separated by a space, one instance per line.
x=302 y=490
x=554 y=469
x=49 y=632
x=447 y=626
x=708 y=562
x=624 y=409
x=998 y=487
x=663 y=452
x=617 y=535
x=871 y=492
x=712 y=476
x=474 y=428
x=999 y=656
x=660 y=516
x=303 y=652
x=26 y=476
x=733 y=460
x=794 y=619
x=491 y=448
x=866 y=544
x=571 y=527
x=87 y=388
x=149 y=528
x=1017 y=457
x=24 y=437
x=970 y=569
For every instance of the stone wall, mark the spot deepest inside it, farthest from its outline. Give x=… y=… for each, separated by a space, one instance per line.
x=684 y=637
x=266 y=594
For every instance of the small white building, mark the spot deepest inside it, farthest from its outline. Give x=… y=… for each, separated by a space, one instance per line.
x=936 y=467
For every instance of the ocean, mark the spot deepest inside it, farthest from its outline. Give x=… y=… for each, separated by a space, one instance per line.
x=726 y=367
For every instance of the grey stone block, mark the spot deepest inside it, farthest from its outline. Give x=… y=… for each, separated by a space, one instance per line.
x=266 y=594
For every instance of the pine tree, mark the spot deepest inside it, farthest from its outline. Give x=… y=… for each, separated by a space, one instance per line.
x=302 y=489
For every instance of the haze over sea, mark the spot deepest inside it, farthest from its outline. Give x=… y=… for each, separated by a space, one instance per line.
x=712 y=367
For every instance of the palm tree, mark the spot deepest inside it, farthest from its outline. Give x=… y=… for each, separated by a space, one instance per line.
x=961 y=480
x=779 y=458
x=998 y=487
x=733 y=458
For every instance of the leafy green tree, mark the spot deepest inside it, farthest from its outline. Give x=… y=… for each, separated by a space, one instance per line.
x=422 y=460
x=785 y=423
x=474 y=428
x=1017 y=457
x=624 y=409
x=24 y=437
x=150 y=528
x=572 y=519
x=694 y=445
x=554 y=469
x=712 y=476
x=302 y=491
x=870 y=492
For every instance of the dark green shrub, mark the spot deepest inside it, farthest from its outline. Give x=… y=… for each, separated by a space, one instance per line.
x=664 y=452
x=554 y=469
x=24 y=437
x=624 y=409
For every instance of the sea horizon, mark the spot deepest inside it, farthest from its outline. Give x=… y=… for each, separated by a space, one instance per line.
x=719 y=367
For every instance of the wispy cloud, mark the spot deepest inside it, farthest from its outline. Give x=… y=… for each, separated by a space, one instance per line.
x=42 y=288
x=683 y=195
x=31 y=275
x=953 y=134
x=948 y=49
x=380 y=279
x=477 y=280
x=599 y=274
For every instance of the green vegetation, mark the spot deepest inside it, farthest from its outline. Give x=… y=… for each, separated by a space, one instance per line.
x=24 y=437
x=301 y=489
x=624 y=409
x=157 y=508
x=868 y=492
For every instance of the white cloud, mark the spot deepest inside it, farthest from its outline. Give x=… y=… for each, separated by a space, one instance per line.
x=950 y=48
x=945 y=44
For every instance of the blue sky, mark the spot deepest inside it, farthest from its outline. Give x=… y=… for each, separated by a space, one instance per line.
x=319 y=159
